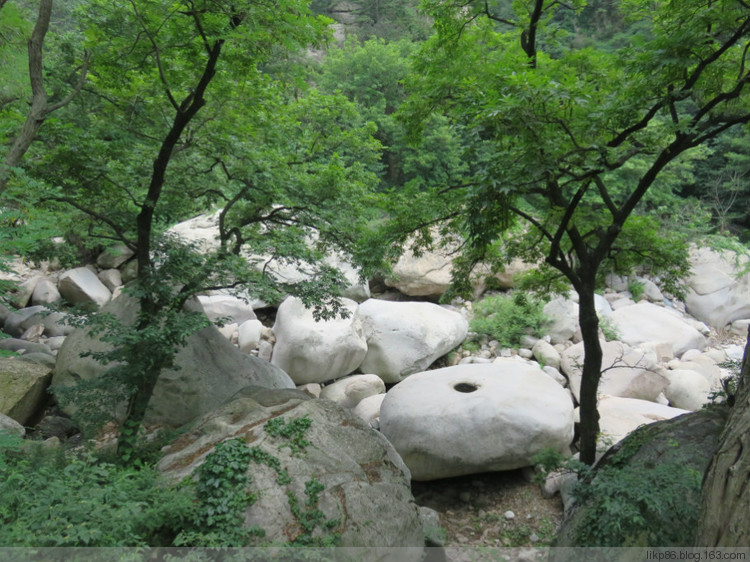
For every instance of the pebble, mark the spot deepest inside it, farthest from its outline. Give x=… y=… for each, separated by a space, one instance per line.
x=509 y=515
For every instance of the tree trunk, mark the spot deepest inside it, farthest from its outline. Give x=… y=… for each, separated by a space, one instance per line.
x=39 y=103
x=725 y=498
x=592 y=367
x=38 y=110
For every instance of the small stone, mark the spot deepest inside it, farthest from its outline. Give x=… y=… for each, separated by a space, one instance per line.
x=534 y=537
x=509 y=515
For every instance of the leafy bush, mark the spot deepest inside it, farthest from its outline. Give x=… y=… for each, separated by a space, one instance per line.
x=636 y=289
x=628 y=501
x=645 y=505
x=507 y=319
x=80 y=502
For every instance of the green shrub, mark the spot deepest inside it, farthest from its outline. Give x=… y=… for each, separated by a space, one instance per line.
x=81 y=502
x=507 y=319
x=644 y=505
x=636 y=289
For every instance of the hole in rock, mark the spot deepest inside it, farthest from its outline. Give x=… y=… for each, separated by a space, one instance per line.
x=465 y=387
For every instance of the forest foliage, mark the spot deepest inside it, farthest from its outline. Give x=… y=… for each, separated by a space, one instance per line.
x=584 y=137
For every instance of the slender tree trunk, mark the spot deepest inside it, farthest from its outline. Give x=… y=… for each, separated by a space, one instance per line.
x=592 y=367
x=40 y=108
x=725 y=497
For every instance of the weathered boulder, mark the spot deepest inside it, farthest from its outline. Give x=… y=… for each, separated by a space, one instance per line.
x=18 y=321
x=688 y=390
x=626 y=372
x=203 y=232
x=350 y=391
x=653 y=476
x=114 y=256
x=620 y=416
x=249 y=334
x=425 y=275
x=209 y=370
x=112 y=278
x=546 y=354
x=82 y=286
x=476 y=418
x=368 y=408
x=717 y=294
x=647 y=322
x=317 y=351
x=366 y=486
x=229 y=307
x=23 y=388
x=407 y=337
x=45 y=292
x=563 y=317
x=10 y=426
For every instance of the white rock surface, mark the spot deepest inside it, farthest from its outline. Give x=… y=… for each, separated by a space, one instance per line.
x=717 y=295
x=369 y=408
x=626 y=372
x=82 y=286
x=249 y=334
x=476 y=418
x=687 y=389
x=407 y=337
x=350 y=391
x=646 y=322
x=311 y=351
x=112 y=278
x=620 y=416
x=45 y=292
x=228 y=307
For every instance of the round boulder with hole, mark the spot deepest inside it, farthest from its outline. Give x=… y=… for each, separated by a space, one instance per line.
x=476 y=418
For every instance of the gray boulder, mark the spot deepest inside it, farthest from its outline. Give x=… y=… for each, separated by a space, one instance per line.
x=22 y=388
x=17 y=322
x=10 y=426
x=82 y=286
x=210 y=370
x=366 y=486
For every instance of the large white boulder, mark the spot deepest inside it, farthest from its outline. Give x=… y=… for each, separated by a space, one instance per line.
x=626 y=372
x=687 y=389
x=229 y=307
x=203 y=231
x=476 y=418
x=645 y=322
x=249 y=334
x=427 y=274
x=45 y=292
x=317 y=351
x=350 y=391
x=717 y=294
x=407 y=337
x=563 y=316
x=82 y=286
x=620 y=416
